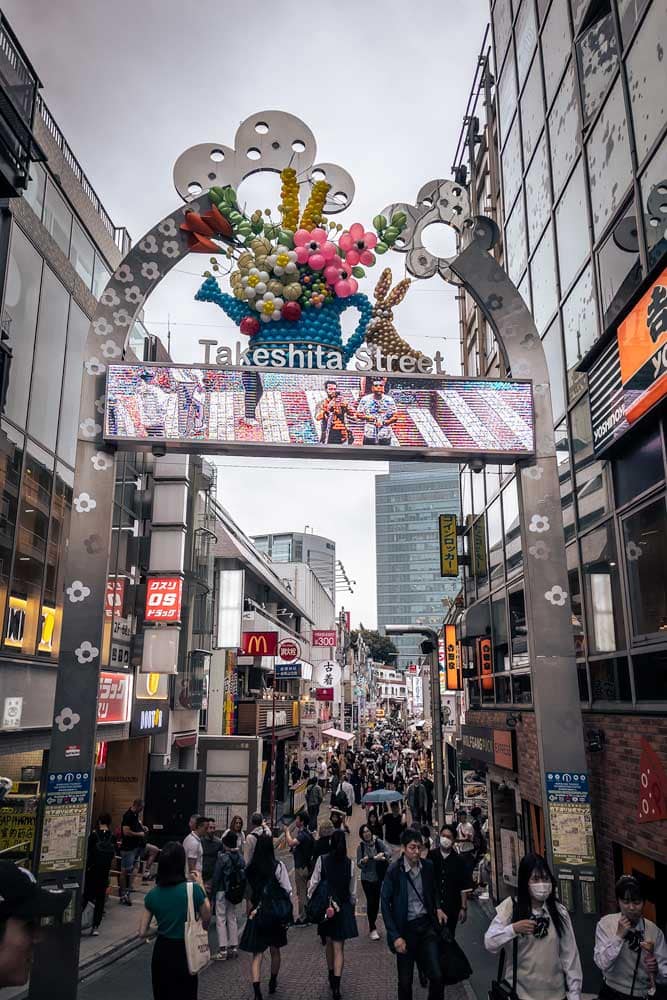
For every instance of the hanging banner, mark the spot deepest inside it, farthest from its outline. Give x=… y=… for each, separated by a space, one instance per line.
x=453 y=670
x=449 y=557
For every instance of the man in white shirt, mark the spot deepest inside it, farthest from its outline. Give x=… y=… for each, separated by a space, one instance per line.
x=322 y=773
x=379 y=412
x=194 y=852
x=628 y=966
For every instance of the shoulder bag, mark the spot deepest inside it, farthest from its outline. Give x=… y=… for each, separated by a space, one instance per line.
x=454 y=965
x=500 y=988
x=196 y=938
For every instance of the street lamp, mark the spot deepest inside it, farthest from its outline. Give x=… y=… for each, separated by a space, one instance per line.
x=430 y=648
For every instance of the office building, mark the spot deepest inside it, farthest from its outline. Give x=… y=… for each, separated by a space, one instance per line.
x=410 y=589
x=568 y=124
x=303 y=547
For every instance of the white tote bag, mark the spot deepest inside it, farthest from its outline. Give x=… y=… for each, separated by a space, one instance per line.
x=196 y=938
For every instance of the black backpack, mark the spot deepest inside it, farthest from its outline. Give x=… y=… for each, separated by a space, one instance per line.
x=275 y=906
x=105 y=848
x=236 y=881
x=339 y=800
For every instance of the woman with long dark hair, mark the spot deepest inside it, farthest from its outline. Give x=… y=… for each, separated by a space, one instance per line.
x=548 y=963
x=373 y=823
x=372 y=860
x=341 y=923
x=269 y=884
x=167 y=904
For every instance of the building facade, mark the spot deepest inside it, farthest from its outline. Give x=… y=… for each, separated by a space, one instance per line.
x=410 y=590
x=316 y=551
x=565 y=146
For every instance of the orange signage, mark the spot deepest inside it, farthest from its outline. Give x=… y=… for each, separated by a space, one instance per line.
x=642 y=349
x=259 y=643
x=485 y=662
x=453 y=670
x=503 y=748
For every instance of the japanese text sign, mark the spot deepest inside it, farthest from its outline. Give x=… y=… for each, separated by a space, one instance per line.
x=163 y=599
x=449 y=557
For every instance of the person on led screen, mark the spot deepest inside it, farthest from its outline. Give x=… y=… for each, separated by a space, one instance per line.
x=196 y=410
x=333 y=413
x=151 y=404
x=379 y=411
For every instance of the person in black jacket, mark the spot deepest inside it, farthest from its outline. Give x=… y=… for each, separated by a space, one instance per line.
x=101 y=852
x=411 y=912
x=453 y=878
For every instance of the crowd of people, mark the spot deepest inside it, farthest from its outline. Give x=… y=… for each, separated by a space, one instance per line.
x=417 y=880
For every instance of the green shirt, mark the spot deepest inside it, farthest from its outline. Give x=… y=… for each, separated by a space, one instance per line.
x=169 y=906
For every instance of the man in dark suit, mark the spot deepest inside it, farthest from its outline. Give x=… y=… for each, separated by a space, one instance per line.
x=411 y=912
x=453 y=879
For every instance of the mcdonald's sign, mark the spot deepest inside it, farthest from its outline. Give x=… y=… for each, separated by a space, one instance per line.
x=259 y=643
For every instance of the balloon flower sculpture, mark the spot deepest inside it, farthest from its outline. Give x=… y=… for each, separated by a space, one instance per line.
x=291 y=279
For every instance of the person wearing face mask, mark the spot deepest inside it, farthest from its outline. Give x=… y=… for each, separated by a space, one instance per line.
x=630 y=969
x=453 y=877
x=536 y=932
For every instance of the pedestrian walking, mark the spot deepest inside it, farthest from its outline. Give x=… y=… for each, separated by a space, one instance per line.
x=372 y=861
x=132 y=844
x=630 y=951
x=453 y=878
x=236 y=826
x=465 y=841
x=302 y=846
x=322 y=773
x=411 y=912
x=325 y=832
x=314 y=797
x=228 y=889
x=429 y=787
x=393 y=824
x=194 y=850
x=23 y=904
x=374 y=824
x=544 y=950
x=416 y=799
x=271 y=899
x=100 y=856
x=340 y=924
x=211 y=847
x=258 y=828
x=167 y=904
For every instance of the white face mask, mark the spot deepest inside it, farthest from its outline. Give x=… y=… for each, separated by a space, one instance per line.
x=540 y=890
x=446 y=843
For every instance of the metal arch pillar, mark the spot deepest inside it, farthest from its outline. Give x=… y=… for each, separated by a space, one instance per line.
x=556 y=697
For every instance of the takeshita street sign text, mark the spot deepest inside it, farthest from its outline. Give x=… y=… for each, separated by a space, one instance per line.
x=295 y=355
x=271 y=411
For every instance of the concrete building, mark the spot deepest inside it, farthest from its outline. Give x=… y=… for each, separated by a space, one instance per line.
x=565 y=145
x=315 y=551
x=410 y=590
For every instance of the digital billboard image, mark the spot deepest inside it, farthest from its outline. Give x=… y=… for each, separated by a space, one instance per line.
x=262 y=411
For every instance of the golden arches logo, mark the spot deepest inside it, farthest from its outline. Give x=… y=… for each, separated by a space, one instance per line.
x=257 y=645
x=153 y=683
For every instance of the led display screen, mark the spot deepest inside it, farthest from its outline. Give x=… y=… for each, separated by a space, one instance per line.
x=289 y=411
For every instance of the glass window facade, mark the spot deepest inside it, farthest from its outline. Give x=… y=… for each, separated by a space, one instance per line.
x=591 y=73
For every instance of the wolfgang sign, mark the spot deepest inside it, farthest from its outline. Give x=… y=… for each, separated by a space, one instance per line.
x=283 y=411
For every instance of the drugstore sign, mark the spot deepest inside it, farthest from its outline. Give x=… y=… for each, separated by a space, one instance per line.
x=113 y=699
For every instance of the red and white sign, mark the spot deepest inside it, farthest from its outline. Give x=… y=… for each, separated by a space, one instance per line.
x=115 y=595
x=73 y=750
x=163 y=598
x=289 y=650
x=653 y=785
x=113 y=698
x=324 y=637
x=259 y=643
x=324 y=694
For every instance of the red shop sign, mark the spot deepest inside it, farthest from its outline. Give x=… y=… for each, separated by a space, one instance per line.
x=324 y=694
x=163 y=599
x=115 y=595
x=113 y=698
x=324 y=637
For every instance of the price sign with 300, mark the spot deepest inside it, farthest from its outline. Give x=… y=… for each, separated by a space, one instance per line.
x=163 y=599
x=324 y=637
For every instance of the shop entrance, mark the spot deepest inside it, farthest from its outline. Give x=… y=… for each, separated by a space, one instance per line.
x=651 y=875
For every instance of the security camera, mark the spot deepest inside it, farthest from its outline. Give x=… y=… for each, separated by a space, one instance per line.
x=159 y=450
x=477 y=465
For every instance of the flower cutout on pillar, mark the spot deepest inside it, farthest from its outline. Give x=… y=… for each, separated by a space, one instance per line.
x=94 y=366
x=124 y=274
x=67 y=719
x=84 y=503
x=167 y=227
x=93 y=545
x=540 y=550
x=150 y=270
x=109 y=298
x=110 y=349
x=539 y=523
x=102 y=326
x=99 y=403
x=86 y=652
x=134 y=295
x=494 y=302
x=171 y=249
x=533 y=472
x=89 y=428
x=101 y=461
x=556 y=596
x=121 y=317
x=149 y=245
x=77 y=591
x=633 y=551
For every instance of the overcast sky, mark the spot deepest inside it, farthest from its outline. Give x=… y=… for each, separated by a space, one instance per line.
x=383 y=86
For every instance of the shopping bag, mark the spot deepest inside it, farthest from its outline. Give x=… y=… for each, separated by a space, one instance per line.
x=454 y=965
x=196 y=938
x=87 y=915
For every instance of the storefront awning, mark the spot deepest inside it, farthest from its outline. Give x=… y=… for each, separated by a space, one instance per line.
x=338 y=734
x=185 y=740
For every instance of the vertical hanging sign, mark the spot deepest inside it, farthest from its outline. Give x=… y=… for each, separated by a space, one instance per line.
x=449 y=557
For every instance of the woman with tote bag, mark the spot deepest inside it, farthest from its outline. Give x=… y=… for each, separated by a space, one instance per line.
x=175 y=904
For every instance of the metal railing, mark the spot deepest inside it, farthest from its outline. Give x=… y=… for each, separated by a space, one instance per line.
x=118 y=234
x=20 y=78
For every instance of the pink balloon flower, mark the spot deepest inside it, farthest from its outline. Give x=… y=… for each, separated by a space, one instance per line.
x=357 y=245
x=313 y=248
x=339 y=275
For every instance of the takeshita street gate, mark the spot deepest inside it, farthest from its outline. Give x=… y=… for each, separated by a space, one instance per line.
x=291 y=278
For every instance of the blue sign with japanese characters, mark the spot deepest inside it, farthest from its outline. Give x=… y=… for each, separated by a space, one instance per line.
x=567 y=786
x=285 y=670
x=67 y=786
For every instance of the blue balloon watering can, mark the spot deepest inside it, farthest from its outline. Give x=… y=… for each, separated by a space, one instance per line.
x=315 y=327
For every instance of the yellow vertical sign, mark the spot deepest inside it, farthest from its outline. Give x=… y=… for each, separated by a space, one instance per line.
x=449 y=557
